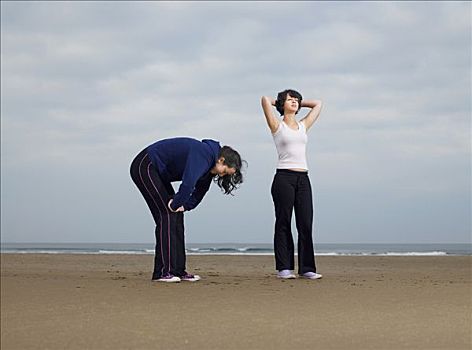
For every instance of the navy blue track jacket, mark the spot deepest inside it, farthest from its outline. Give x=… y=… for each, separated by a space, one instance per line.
x=187 y=160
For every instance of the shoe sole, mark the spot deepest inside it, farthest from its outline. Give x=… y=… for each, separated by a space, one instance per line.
x=312 y=278
x=167 y=281
x=195 y=279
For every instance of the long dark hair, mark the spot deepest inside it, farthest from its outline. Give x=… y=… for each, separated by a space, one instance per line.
x=282 y=96
x=229 y=183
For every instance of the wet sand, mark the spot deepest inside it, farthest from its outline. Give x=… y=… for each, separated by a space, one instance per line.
x=108 y=302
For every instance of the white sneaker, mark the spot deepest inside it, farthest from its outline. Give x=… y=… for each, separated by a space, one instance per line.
x=312 y=275
x=168 y=279
x=286 y=274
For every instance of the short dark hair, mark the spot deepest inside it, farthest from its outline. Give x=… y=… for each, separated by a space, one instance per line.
x=282 y=96
x=228 y=183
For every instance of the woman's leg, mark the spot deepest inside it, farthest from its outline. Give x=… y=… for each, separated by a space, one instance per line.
x=180 y=245
x=156 y=193
x=178 y=241
x=283 y=195
x=304 y=222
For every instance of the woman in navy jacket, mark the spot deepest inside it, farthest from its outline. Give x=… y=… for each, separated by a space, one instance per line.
x=196 y=164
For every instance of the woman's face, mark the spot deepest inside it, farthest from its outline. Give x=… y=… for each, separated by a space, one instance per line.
x=291 y=104
x=222 y=169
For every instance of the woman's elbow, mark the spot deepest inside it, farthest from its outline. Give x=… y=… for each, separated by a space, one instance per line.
x=265 y=101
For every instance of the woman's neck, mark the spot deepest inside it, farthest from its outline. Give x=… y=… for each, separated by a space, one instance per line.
x=289 y=117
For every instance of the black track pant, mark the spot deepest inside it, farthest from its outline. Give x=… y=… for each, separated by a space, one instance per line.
x=292 y=190
x=170 y=242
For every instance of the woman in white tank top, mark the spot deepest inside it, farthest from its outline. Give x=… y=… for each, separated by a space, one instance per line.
x=291 y=188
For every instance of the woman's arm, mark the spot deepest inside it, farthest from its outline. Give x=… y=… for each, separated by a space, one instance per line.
x=201 y=188
x=312 y=115
x=267 y=106
x=196 y=166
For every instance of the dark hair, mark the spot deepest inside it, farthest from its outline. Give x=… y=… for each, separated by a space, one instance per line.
x=282 y=96
x=228 y=183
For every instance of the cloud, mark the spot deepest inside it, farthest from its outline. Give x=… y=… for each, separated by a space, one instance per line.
x=87 y=85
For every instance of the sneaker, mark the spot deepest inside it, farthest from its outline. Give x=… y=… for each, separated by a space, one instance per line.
x=286 y=274
x=190 y=278
x=311 y=275
x=167 y=278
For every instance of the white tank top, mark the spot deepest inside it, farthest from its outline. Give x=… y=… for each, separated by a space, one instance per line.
x=291 y=146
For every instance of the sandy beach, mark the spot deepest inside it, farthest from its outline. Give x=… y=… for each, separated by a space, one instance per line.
x=108 y=302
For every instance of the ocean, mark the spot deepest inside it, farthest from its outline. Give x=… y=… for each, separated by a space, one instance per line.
x=321 y=249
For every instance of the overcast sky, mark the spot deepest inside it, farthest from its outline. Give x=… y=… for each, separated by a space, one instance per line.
x=86 y=85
